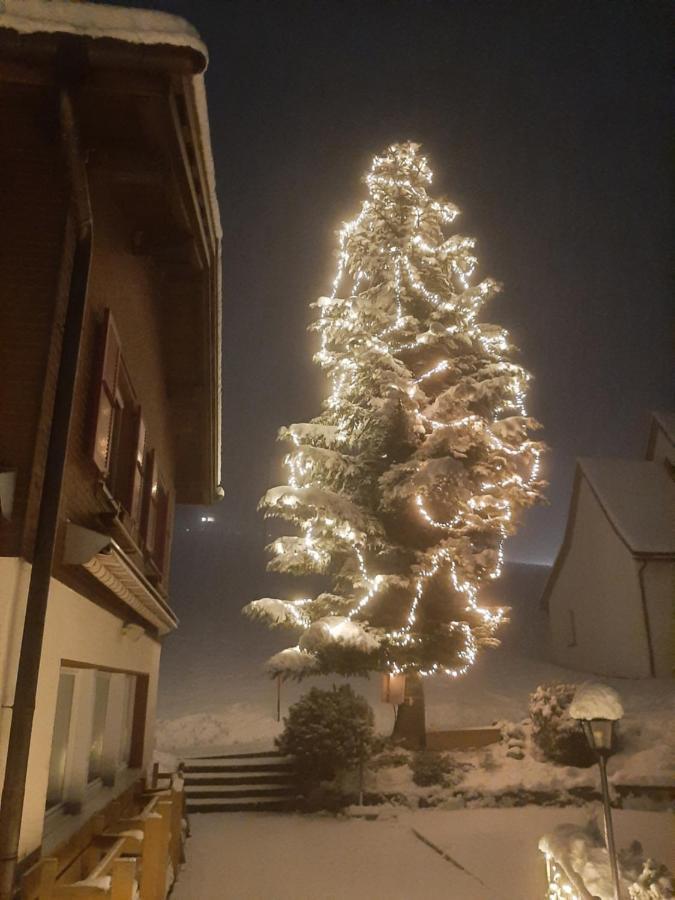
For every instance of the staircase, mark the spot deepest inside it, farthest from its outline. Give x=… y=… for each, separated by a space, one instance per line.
x=240 y=782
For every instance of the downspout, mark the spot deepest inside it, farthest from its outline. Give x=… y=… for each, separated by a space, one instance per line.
x=14 y=787
x=645 y=614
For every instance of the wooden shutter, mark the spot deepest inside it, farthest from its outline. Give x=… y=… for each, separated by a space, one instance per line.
x=106 y=388
x=170 y=508
x=138 y=471
x=163 y=531
x=150 y=504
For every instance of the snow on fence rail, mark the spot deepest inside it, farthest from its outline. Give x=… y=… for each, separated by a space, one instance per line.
x=577 y=868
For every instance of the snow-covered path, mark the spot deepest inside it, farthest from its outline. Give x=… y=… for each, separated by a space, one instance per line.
x=259 y=856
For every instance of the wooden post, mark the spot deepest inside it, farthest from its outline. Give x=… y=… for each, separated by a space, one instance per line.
x=176 y=827
x=48 y=872
x=164 y=808
x=155 y=775
x=122 y=879
x=279 y=697
x=153 y=864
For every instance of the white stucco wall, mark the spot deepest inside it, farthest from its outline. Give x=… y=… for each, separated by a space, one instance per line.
x=659 y=581
x=76 y=630
x=598 y=582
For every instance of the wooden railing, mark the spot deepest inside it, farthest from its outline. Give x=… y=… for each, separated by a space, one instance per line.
x=131 y=850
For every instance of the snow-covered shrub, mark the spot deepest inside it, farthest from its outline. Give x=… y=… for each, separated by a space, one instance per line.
x=650 y=880
x=327 y=732
x=580 y=853
x=487 y=761
x=326 y=797
x=389 y=759
x=557 y=735
x=429 y=767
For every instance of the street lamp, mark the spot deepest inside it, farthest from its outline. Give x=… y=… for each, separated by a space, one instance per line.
x=597 y=707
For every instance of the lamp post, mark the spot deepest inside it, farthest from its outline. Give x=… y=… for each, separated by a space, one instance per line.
x=597 y=708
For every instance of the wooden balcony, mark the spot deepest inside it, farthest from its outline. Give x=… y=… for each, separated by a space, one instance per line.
x=131 y=849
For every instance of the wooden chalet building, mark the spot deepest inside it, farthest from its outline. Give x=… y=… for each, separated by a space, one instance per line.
x=110 y=321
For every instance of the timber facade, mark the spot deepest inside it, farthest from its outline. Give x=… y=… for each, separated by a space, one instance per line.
x=144 y=408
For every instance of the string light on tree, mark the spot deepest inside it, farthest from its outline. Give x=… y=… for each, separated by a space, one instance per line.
x=405 y=487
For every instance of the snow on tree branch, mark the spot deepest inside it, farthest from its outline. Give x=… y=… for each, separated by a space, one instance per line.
x=403 y=490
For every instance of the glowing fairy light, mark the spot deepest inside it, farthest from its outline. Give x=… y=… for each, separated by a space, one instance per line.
x=403 y=310
x=441 y=367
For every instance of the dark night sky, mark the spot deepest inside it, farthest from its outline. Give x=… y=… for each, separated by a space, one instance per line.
x=548 y=123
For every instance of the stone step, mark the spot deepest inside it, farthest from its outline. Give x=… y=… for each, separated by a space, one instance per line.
x=234 y=793
x=265 y=754
x=237 y=805
x=211 y=779
x=193 y=768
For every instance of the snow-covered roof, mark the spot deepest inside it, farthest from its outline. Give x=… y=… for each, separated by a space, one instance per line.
x=93 y=20
x=638 y=498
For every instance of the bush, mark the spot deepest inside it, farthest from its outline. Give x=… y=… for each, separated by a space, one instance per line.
x=325 y=797
x=390 y=759
x=557 y=735
x=430 y=768
x=487 y=761
x=327 y=732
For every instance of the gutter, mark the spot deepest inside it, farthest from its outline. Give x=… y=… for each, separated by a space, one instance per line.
x=14 y=788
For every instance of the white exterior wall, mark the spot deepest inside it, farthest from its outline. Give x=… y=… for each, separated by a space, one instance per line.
x=76 y=630
x=659 y=581
x=598 y=583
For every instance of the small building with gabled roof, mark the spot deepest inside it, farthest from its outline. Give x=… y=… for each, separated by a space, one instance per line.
x=610 y=592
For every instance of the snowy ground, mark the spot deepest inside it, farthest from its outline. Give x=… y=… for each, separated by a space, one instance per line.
x=268 y=856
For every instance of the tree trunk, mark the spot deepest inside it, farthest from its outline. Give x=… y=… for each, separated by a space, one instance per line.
x=410 y=725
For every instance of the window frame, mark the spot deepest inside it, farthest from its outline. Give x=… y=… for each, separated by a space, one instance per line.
x=78 y=790
x=128 y=464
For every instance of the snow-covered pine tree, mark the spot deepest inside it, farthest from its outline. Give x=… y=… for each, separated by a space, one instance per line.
x=404 y=489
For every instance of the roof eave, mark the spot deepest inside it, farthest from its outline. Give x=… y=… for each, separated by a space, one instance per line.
x=195 y=96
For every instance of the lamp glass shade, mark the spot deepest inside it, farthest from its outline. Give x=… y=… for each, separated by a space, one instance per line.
x=599 y=734
x=393 y=689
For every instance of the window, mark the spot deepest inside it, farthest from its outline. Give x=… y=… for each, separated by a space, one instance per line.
x=101 y=693
x=157 y=518
x=127 y=722
x=92 y=737
x=60 y=738
x=128 y=466
x=119 y=434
